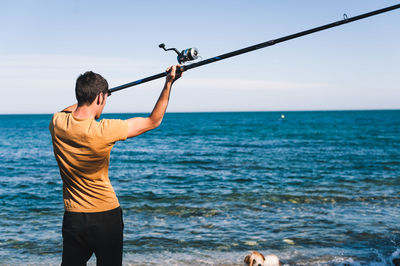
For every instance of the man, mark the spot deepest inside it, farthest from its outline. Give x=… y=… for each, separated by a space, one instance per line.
x=93 y=217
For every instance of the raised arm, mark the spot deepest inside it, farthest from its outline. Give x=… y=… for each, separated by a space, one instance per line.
x=140 y=125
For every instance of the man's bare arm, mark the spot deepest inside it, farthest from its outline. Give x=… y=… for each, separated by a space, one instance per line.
x=140 y=125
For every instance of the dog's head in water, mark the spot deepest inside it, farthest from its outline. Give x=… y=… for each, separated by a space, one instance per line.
x=254 y=259
x=257 y=259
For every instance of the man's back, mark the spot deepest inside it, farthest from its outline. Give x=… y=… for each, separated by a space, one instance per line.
x=93 y=219
x=82 y=150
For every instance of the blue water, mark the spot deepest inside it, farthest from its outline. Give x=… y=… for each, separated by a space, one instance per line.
x=314 y=188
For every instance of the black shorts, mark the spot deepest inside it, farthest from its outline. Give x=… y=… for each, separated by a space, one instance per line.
x=98 y=232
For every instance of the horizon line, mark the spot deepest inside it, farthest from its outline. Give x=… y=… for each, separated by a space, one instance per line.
x=230 y=111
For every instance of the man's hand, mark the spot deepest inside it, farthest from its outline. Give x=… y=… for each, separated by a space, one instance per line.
x=172 y=75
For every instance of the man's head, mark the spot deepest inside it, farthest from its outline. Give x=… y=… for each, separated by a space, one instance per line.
x=89 y=86
x=91 y=90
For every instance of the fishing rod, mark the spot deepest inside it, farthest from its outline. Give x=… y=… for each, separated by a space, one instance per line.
x=192 y=53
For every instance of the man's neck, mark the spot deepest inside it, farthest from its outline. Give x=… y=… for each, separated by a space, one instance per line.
x=84 y=111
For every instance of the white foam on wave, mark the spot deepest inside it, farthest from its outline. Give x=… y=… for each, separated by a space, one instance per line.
x=193 y=258
x=216 y=258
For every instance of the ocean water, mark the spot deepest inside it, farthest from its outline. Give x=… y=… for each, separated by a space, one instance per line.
x=314 y=188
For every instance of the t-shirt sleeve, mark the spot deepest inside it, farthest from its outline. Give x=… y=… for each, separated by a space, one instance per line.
x=114 y=130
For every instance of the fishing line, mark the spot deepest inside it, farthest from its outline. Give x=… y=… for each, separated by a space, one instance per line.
x=191 y=54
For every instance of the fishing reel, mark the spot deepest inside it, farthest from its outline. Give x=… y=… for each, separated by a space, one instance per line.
x=189 y=54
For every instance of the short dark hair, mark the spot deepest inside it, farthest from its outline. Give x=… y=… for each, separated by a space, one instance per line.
x=88 y=86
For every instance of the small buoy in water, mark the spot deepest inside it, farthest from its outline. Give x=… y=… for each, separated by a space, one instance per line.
x=283 y=116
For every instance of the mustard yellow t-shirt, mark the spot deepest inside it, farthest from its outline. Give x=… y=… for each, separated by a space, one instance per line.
x=82 y=149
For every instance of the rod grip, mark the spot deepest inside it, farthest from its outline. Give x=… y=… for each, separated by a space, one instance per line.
x=179 y=70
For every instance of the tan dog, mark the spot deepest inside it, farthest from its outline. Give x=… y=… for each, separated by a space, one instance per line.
x=257 y=259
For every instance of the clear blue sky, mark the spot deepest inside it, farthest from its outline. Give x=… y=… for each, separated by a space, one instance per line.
x=45 y=45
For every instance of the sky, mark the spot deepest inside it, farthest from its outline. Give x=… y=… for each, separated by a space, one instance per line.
x=46 y=45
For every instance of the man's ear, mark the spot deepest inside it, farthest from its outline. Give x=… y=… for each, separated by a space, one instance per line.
x=103 y=98
x=100 y=99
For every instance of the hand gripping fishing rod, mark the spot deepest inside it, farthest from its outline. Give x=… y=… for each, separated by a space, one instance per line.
x=190 y=54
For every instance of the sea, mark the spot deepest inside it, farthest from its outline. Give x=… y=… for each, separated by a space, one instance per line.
x=312 y=187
